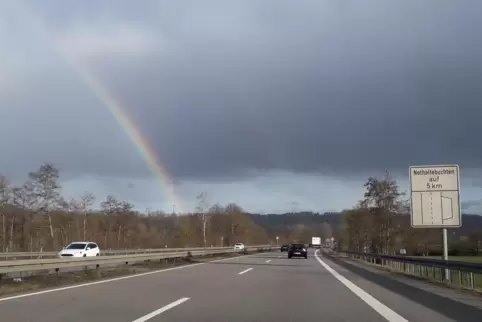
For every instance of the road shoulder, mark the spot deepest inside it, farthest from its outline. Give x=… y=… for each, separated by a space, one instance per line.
x=414 y=299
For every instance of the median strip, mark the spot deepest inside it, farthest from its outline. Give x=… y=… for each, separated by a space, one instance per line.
x=161 y=310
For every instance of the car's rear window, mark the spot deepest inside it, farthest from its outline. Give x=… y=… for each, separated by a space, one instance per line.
x=298 y=246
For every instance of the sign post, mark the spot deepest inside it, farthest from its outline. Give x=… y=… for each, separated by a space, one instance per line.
x=435 y=200
x=277 y=238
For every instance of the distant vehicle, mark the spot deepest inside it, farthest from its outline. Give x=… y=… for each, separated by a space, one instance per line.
x=284 y=248
x=239 y=246
x=297 y=250
x=80 y=249
x=316 y=242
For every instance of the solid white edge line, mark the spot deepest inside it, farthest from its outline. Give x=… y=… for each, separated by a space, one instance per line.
x=116 y=279
x=245 y=271
x=379 y=307
x=269 y=260
x=161 y=310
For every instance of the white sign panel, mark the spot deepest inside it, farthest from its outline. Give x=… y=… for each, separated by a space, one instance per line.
x=435 y=196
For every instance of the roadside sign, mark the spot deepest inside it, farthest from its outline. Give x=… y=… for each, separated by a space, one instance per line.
x=277 y=237
x=435 y=196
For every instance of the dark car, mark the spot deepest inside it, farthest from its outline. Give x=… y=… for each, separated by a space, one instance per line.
x=297 y=250
x=284 y=248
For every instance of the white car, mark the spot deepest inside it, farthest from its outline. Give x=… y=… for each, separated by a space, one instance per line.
x=80 y=249
x=239 y=246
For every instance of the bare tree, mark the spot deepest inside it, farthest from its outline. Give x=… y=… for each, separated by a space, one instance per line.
x=5 y=196
x=216 y=209
x=86 y=202
x=232 y=210
x=110 y=206
x=202 y=208
x=22 y=201
x=359 y=227
x=384 y=200
x=44 y=188
x=115 y=209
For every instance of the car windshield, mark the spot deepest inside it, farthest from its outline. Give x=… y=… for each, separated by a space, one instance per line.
x=76 y=246
x=238 y=244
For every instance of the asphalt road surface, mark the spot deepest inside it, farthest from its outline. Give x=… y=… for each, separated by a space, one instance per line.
x=261 y=287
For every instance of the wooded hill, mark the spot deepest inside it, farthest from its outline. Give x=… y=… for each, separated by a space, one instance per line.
x=301 y=226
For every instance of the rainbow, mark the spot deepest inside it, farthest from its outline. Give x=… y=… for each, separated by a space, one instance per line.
x=114 y=107
x=129 y=127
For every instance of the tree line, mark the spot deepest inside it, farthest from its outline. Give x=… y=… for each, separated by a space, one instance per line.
x=36 y=217
x=380 y=223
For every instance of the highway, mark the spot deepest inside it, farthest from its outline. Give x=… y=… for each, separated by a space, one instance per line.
x=260 y=287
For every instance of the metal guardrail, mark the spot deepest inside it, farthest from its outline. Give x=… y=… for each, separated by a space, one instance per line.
x=15 y=255
x=31 y=265
x=462 y=274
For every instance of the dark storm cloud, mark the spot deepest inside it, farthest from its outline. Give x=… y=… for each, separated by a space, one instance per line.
x=60 y=120
x=341 y=87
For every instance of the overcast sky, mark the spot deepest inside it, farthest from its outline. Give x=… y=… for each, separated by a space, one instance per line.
x=275 y=105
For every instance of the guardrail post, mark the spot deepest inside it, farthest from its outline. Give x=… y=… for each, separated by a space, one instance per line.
x=471 y=277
